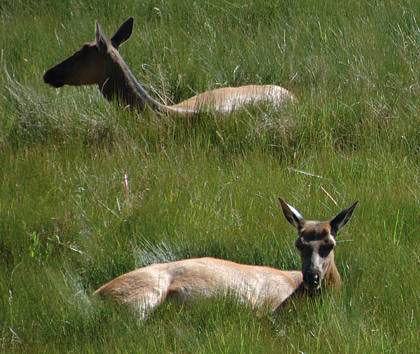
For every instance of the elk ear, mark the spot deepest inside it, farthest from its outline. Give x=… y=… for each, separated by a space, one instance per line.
x=341 y=219
x=123 y=33
x=292 y=215
x=101 y=41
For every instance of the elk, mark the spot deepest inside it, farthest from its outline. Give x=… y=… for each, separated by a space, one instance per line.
x=100 y=63
x=258 y=286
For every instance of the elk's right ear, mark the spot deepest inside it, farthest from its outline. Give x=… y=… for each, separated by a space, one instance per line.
x=101 y=41
x=292 y=215
x=123 y=33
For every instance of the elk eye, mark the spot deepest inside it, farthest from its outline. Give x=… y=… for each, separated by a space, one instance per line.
x=325 y=250
x=299 y=245
x=302 y=247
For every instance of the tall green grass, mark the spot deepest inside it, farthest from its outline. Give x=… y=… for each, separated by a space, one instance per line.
x=208 y=186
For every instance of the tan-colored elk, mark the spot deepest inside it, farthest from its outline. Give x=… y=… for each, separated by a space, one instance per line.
x=100 y=63
x=147 y=287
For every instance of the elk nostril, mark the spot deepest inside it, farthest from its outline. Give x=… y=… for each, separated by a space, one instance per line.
x=47 y=77
x=311 y=278
x=52 y=79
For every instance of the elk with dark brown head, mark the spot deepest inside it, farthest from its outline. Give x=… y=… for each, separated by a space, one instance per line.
x=100 y=63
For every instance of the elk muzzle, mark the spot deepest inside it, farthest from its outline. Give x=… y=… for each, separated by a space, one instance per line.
x=312 y=280
x=51 y=78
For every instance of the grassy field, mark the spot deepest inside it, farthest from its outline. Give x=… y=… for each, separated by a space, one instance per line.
x=208 y=186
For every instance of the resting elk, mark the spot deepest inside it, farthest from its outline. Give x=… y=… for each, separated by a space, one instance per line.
x=100 y=63
x=258 y=286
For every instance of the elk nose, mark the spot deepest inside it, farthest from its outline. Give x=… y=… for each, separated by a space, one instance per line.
x=47 y=77
x=52 y=79
x=311 y=279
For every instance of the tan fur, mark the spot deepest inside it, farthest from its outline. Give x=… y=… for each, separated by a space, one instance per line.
x=147 y=287
x=332 y=276
x=229 y=99
x=100 y=63
x=259 y=286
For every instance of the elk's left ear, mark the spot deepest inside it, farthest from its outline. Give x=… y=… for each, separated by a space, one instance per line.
x=341 y=219
x=123 y=33
x=101 y=41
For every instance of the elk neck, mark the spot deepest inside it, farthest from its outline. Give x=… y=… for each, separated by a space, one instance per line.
x=120 y=83
x=332 y=276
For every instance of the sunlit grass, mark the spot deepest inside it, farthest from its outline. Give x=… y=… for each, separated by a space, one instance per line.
x=208 y=186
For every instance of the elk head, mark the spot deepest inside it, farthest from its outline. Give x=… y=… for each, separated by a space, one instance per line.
x=89 y=64
x=316 y=243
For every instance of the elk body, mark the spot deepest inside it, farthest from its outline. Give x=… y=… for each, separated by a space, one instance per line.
x=145 y=288
x=100 y=63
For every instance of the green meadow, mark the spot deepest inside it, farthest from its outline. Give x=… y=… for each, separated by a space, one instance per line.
x=208 y=186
